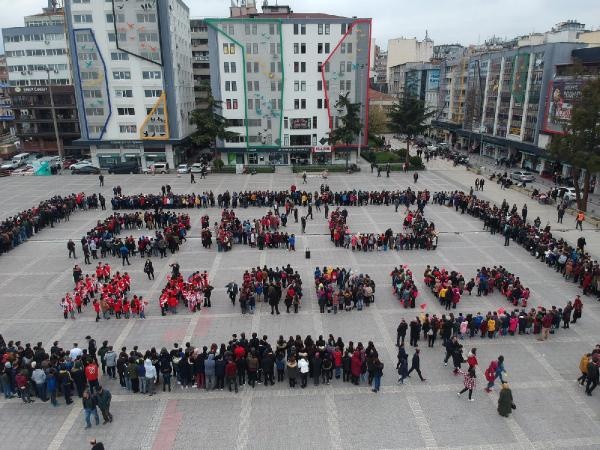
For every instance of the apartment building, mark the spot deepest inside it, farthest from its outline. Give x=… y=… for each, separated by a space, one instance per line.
x=37 y=63
x=279 y=75
x=132 y=65
x=200 y=61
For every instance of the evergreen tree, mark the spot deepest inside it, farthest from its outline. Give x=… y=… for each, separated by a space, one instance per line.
x=409 y=117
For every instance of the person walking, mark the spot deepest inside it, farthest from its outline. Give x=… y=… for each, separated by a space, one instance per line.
x=401 y=332
x=416 y=365
x=110 y=358
x=232 y=291
x=192 y=178
x=579 y=220
x=583 y=367
x=415 y=177
x=592 y=375
x=103 y=397
x=71 y=248
x=89 y=408
x=402 y=365
x=91 y=375
x=469 y=382
x=101 y=179
x=505 y=401
x=304 y=177
x=124 y=251
x=149 y=269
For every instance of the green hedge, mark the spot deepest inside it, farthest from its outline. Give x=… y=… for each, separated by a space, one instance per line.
x=384 y=156
x=224 y=169
x=262 y=169
x=320 y=168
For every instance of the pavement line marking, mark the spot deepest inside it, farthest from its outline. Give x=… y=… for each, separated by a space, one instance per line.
x=166 y=434
x=123 y=335
x=244 y=422
x=60 y=333
x=153 y=426
x=421 y=420
x=333 y=423
x=62 y=432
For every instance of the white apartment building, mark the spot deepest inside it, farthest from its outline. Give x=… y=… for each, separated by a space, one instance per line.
x=36 y=56
x=133 y=78
x=407 y=50
x=279 y=74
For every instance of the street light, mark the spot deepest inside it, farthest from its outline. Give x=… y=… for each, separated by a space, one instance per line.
x=58 y=143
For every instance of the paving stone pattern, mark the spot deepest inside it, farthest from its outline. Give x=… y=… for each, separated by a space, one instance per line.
x=552 y=411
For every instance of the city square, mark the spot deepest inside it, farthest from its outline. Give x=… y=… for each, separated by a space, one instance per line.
x=552 y=410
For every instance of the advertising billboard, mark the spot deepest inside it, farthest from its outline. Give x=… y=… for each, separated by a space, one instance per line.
x=563 y=93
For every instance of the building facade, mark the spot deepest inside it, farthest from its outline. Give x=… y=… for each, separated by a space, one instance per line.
x=37 y=63
x=279 y=75
x=132 y=63
x=498 y=103
x=200 y=61
x=407 y=50
x=418 y=80
x=7 y=116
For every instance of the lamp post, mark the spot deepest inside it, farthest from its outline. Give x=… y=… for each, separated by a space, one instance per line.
x=58 y=143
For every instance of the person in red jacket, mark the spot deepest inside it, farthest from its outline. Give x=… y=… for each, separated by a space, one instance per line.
x=96 y=305
x=91 y=375
x=231 y=375
x=337 y=361
x=546 y=325
x=23 y=386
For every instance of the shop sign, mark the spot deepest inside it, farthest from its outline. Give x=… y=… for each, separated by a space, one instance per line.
x=322 y=149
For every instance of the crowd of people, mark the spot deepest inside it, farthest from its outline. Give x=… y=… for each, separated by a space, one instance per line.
x=573 y=262
x=17 y=229
x=105 y=292
x=31 y=371
x=590 y=367
x=288 y=199
x=268 y=285
x=343 y=290
x=404 y=286
x=194 y=293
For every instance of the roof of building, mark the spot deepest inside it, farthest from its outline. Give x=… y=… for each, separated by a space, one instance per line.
x=377 y=96
x=293 y=15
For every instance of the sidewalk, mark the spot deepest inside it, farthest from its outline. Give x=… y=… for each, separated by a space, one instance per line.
x=494 y=193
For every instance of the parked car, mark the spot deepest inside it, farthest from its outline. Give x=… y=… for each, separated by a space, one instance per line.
x=566 y=193
x=196 y=168
x=432 y=148
x=522 y=175
x=79 y=164
x=68 y=162
x=183 y=168
x=158 y=167
x=125 y=167
x=86 y=170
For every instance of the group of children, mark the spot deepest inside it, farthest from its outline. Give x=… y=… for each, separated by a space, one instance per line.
x=404 y=286
x=340 y=289
x=193 y=293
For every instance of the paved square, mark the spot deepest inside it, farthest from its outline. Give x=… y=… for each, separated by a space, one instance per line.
x=552 y=411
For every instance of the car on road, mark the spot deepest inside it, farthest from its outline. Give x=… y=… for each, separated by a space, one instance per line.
x=79 y=164
x=432 y=148
x=86 y=170
x=125 y=167
x=196 y=168
x=157 y=167
x=522 y=176
x=183 y=168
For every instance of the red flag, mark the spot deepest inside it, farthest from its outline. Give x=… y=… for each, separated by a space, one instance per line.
x=423 y=305
x=501 y=311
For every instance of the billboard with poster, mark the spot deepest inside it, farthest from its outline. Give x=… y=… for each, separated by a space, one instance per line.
x=562 y=94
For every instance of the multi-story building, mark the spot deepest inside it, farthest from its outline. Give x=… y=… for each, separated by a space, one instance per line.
x=379 y=75
x=419 y=80
x=279 y=75
x=405 y=50
x=502 y=106
x=200 y=61
x=6 y=114
x=132 y=64
x=38 y=64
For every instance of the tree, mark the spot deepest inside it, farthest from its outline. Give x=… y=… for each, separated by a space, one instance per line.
x=349 y=125
x=408 y=117
x=378 y=121
x=579 y=146
x=210 y=124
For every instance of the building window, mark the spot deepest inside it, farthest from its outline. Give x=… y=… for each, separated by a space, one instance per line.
x=319 y=103
x=314 y=122
x=151 y=75
x=229 y=49
x=273 y=29
x=232 y=66
x=319 y=47
x=126 y=111
x=123 y=93
x=296 y=86
x=250 y=104
x=320 y=28
x=152 y=93
x=94 y=111
x=327 y=47
x=146 y=17
x=302 y=67
x=119 y=56
x=82 y=18
x=319 y=67
x=286 y=140
x=349 y=47
x=226 y=67
x=122 y=75
x=92 y=93
x=235 y=103
x=327 y=28
x=302 y=29
x=110 y=18
x=343 y=28
x=274 y=48
x=228 y=103
x=295 y=28
x=128 y=129
x=285 y=123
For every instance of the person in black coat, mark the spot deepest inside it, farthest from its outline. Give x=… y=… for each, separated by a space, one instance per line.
x=416 y=365
x=415 y=330
x=220 y=373
x=267 y=365
x=401 y=332
x=317 y=364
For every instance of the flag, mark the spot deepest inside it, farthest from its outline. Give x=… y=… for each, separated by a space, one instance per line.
x=423 y=305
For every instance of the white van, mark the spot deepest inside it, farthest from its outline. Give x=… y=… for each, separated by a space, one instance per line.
x=17 y=161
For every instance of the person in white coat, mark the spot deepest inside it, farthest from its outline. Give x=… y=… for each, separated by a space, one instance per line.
x=303 y=366
x=150 y=376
